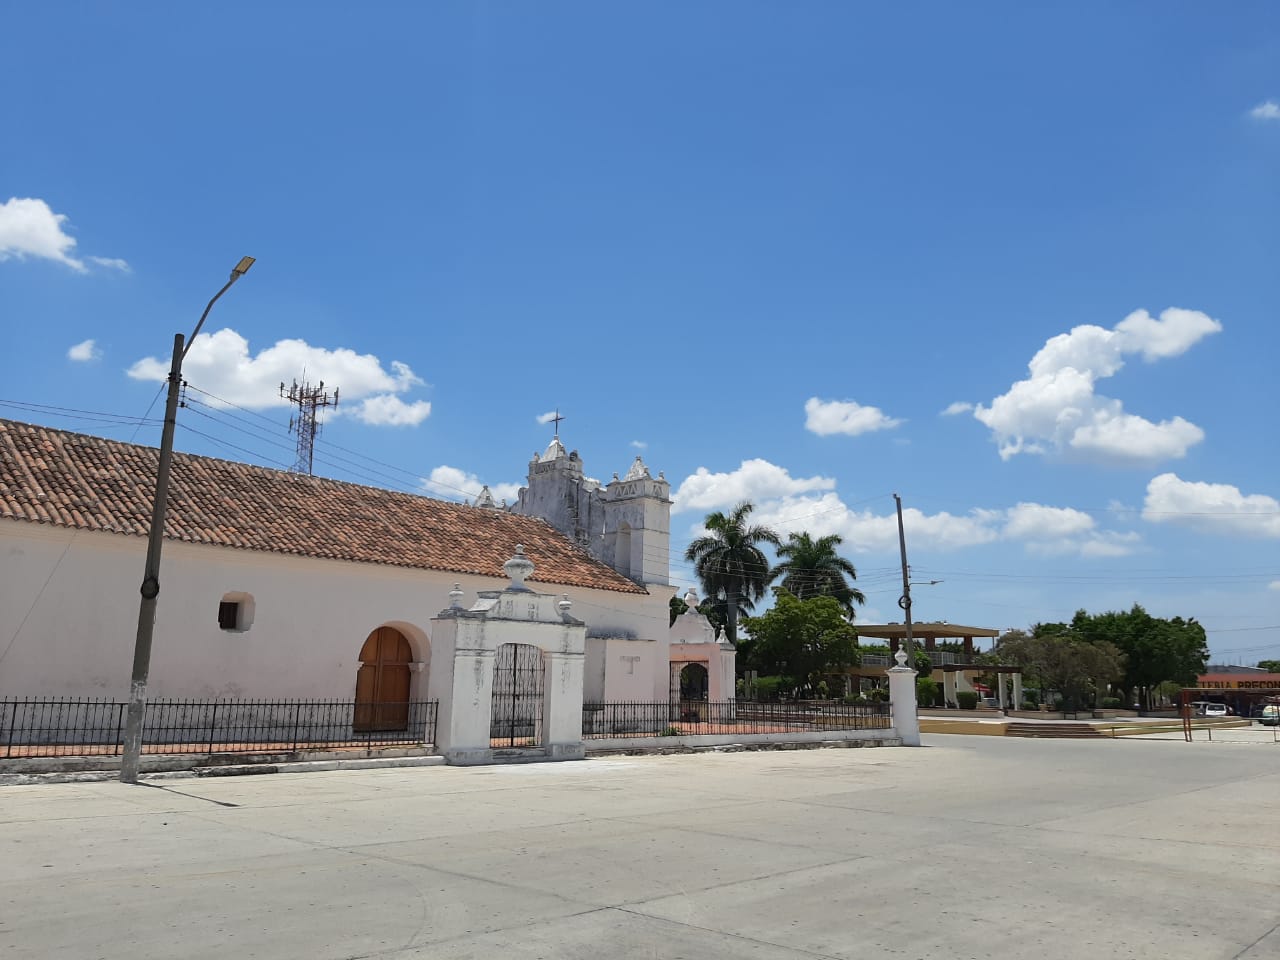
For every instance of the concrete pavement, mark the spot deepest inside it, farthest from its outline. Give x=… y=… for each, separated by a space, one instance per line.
x=972 y=847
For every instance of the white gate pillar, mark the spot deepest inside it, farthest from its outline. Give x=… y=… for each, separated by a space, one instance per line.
x=902 y=700
x=1017 y=691
x=462 y=682
x=562 y=705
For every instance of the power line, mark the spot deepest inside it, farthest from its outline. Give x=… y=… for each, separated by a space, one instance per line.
x=74 y=413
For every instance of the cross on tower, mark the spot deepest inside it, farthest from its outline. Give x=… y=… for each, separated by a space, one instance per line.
x=556 y=420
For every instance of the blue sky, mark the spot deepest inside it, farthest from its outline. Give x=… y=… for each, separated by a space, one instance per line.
x=765 y=245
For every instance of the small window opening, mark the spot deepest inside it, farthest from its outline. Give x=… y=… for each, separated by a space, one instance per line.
x=235 y=612
x=229 y=614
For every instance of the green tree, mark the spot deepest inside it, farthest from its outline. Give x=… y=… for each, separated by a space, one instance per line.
x=728 y=557
x=1156 y=650
x=926 y=691
x=802 y=639
x=1062 y=661
x=1271 y=666
x=812 y=568
x=676 y=607
x=922 y=662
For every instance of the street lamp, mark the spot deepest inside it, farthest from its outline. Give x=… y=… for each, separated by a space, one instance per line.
x=151 y=576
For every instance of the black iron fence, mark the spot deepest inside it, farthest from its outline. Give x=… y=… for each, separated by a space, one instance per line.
x=65 y=727
x=694 y=717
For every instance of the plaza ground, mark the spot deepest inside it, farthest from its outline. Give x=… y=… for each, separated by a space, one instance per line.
x=971 y=847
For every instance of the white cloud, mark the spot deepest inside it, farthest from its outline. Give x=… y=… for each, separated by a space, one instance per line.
x=548 y=416
x=639 y=444
x=789 y=504
x=754 y=480
x=29 y=228
x=84 y=351
x=1267 y=110
x=455 y=481
x=1211 y=507
x=1110 y=543
x=865 y=531
x=825 y=417
x=960 y=406
x=220 y=363
x=1056 y=409
x=115 y=263
x=1176 y=332
x=1036 y=521
x=1274 y=585
x=388 y=410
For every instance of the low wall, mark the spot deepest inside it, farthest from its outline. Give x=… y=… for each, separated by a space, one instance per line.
x=609 y=744
x=971 y=727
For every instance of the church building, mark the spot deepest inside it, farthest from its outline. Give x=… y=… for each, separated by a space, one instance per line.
x=283 y=585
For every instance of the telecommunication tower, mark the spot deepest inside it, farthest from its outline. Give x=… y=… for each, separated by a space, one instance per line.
x=309 y=401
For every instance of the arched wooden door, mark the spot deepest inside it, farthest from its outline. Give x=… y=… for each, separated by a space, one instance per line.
x=382 y=683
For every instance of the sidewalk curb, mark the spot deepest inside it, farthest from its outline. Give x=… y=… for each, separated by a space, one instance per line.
x=231 y=770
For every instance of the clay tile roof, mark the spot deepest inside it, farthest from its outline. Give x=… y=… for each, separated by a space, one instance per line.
x=74 y=480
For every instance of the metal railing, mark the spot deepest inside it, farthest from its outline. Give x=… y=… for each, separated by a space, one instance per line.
x=695 y=717
x=67 y=727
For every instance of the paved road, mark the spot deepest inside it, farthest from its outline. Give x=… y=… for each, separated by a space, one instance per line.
x=972 y=847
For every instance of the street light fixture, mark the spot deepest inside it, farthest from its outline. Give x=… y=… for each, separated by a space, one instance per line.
x=151 y=576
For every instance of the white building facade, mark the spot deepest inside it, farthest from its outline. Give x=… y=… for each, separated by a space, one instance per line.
x=281 y=586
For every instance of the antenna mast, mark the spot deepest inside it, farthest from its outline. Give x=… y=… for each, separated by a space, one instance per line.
x=309 y=400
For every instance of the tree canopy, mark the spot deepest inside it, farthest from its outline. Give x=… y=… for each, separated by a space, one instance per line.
x=812 y=568
x=1058 y=659
x=1156 y=650
x=729 y=557
x=802 y=639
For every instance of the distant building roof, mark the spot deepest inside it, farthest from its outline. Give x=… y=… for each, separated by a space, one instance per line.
x=74 y=480
x=1231 y=668
x=924 y=630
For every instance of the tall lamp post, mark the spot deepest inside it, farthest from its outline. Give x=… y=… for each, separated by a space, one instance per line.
x=904 y=601
x=151 y=576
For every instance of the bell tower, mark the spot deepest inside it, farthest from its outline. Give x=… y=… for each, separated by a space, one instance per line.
x=637 y=525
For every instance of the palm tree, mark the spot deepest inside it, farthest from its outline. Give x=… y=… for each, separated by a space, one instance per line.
x=728 y=557
x=812 y=568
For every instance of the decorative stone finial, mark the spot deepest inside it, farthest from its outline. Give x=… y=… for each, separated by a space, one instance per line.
x=517 y=568
x=901 y=657
x=565 y=605
x=485 y=499
x=455 y=597
x=691 y=600
x=638 y=470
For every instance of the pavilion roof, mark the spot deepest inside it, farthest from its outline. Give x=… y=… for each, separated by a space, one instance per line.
x=940 y=630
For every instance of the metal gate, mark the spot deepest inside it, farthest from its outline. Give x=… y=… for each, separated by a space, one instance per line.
x=517 y=697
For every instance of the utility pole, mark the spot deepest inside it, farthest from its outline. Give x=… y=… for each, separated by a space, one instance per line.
x=155 y=539
x=308 y=399
x=904 y=601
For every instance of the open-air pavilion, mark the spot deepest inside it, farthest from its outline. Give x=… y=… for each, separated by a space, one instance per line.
x=953 y=665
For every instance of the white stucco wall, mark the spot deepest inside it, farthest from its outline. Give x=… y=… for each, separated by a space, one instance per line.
x=635 y=670
x=311 y=616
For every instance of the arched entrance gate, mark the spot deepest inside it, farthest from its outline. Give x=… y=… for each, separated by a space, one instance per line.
x=518 y=687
